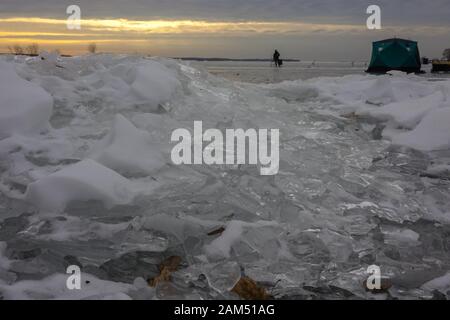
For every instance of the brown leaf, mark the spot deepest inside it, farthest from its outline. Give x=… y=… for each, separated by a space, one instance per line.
x=163 y=276
x=217 y=231
x=165 y=270
x=170 y=263
x=248 y=289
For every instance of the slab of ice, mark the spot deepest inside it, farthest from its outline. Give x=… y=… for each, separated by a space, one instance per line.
x=223 y=276
x=154 y=83
x=221 y=246
x=442 y=284
x=24 y=106
x=83 y=181
x=129 y=150
x=4 y=261
x=334 y=185
x=54 y=287
x=400 y=237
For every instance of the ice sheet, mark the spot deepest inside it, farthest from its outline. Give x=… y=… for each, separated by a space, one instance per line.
x=363 y=180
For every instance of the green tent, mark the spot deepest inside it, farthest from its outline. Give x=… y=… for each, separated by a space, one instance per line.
x=395 y=54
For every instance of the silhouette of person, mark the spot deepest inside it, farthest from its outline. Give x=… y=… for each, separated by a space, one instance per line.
x=276 y=58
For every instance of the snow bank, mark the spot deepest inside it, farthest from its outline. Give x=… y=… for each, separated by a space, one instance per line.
x=432 y=133
x=24 y=106
x=83 y=181
x=408 y=113
x=129 y=150
x=376 y=90
x=402 y=102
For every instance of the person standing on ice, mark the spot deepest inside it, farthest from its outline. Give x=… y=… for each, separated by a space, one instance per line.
x=276 y=58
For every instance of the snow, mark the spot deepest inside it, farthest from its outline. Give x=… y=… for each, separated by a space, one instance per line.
x=125 y=140
x=222 y=245
x=432 y=133
x=154 y=83
x=408 y=105
x=24 y=107
x=54 y=287
x=83 y=181
x=408 y=113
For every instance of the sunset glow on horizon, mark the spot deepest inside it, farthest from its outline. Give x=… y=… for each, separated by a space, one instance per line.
x=167 y=36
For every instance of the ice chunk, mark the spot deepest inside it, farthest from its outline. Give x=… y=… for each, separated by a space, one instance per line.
x=432 y=133
x=223 y=276
x=400 y=237
x=222 y=245
x=83 y=181
x=154 y=83
x=24 y=107
x=129 y=150
x=442 y=284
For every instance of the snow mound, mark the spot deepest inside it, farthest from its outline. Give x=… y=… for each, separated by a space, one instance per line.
x=401 y=102
x=129 y=150
x=408 y=113
x=432 y=133
x=83 y=181
x=24 y=106
x=154 y=83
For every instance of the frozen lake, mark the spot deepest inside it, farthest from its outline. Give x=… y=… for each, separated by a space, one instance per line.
x=87 y=179
x=264 y=72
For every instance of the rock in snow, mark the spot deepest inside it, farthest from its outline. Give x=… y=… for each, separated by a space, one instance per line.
x=83 y=181
x=24 y=106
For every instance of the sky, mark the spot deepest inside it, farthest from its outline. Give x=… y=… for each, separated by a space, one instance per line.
x=303 y=29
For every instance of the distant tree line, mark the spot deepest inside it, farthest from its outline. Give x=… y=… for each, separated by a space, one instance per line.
x=32 y=49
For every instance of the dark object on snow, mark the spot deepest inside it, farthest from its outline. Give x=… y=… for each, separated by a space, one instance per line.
x=440 y=66
x=216 y=232
x=395 y=54
x=276 y=59
x=425 y=61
